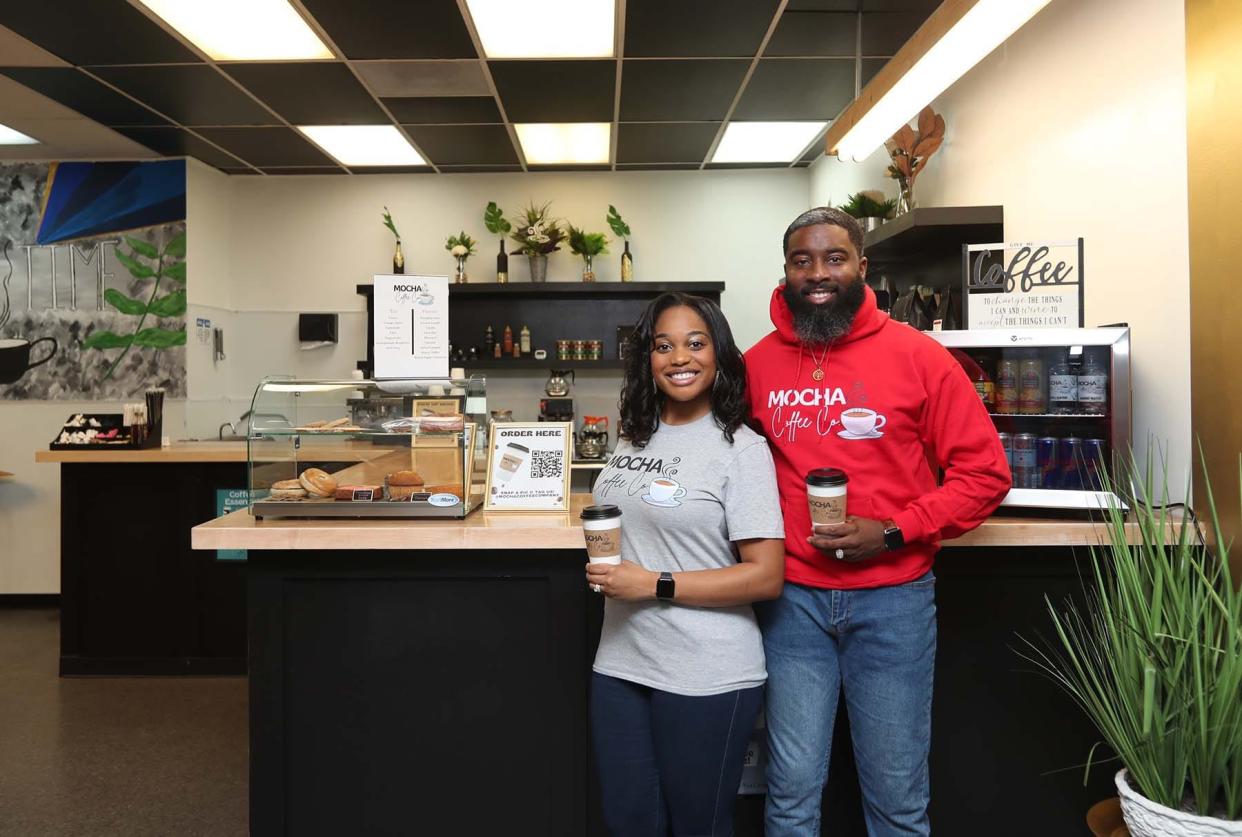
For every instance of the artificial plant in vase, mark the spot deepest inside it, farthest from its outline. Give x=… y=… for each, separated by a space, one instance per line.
x=1154 y=658
x=462 y=248
x=869 y=208
x=588 y=245
x=494 y=220
x=910 y=152
x=398 y=260
x=622 y=230
x=537 y=235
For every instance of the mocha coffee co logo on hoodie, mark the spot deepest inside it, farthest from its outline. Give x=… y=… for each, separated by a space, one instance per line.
x=822 y=411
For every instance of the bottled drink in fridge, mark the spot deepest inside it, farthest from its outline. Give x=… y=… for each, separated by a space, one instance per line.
x=1032 y=396
x=1007 y=385
x=1093 y=386
x=984 y=385
x=1062 y=388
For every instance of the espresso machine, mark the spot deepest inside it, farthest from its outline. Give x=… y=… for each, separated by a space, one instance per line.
x=558 y=406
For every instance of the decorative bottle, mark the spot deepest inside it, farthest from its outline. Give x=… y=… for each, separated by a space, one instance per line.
x=627 y=264
x=502 y=265
x=398 y=260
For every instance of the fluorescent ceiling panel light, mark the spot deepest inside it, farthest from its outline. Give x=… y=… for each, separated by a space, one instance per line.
x=977 y=33
x=550 y=143
x=242 y=30
x=544 y=28
x=10 y=137
x=765 y=142
x=364 y=145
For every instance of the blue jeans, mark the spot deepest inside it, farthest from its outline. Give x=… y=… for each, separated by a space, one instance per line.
x=879 y=646
x=669 y=764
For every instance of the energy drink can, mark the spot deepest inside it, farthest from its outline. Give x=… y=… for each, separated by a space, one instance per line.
x=1007 y=444
x=1070 y=454
x=1046 y=462
x=1094 y=464
x=1025 y=472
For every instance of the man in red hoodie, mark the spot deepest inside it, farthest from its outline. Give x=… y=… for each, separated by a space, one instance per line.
x=840 y=385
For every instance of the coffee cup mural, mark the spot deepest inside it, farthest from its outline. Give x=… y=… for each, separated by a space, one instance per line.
x=15 y=357
x=664 y=492
x=861 y=423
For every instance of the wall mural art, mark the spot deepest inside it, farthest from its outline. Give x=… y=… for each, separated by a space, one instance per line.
x=92 y=280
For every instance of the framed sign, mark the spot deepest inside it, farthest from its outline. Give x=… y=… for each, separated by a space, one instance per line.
x=1023 y=285
x=436 y=406
x=528 y=466
x=411 y=325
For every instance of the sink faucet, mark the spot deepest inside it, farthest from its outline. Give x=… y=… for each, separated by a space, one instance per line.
x=229 y=425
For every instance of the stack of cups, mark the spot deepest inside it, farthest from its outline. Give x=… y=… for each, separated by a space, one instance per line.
x=602 y=527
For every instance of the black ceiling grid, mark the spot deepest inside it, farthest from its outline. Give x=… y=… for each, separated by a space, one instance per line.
x=681 y=72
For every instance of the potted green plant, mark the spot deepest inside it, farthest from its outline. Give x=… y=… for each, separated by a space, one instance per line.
x=398 y=260
x=870 y=208
x=622 y=231
x=462 y=248
x=588 y=245
x=494 y=220
x=537 y=235
x=1154 y=658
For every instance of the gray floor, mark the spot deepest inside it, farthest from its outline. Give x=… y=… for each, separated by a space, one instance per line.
x=123 y=756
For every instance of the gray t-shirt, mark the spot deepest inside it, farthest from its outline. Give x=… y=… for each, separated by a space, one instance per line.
x=684 y=499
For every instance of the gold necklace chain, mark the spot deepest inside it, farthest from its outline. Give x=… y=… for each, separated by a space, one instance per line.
x=818 y=374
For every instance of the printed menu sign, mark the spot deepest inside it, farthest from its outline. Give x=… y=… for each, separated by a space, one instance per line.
x=528 y=466
x=411 y=327
x=1023 y=285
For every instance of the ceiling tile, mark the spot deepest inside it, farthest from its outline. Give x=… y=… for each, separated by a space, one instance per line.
x=424 y=78
x=816 y=151
x=657 y=166
x=815 y=33
x=19 y=52
x=268 y=146
x=883 y=33
x=871 y=66
x=791 y=88
x=392 y=170
x=924 y=6
x=191 y=95
x=78 y=91
x=688 y=28
x=305 y=170
x=94 y=32
x=679 y=91
x=665 y=143
x=556 y=91
x=228 y=170
x=310 y=93
x=464 y=144
x=724 y=166
x=444 y=110
x=824 y=5
x=478 y=169
x=394 y=28
x=177 y=142
x=600 y=167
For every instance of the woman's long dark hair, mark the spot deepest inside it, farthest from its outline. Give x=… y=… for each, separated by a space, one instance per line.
x=641 y=400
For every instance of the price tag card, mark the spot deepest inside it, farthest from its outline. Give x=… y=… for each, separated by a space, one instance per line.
x=528 y=466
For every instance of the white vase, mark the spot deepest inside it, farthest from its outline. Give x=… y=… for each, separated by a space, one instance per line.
x=1145 y=818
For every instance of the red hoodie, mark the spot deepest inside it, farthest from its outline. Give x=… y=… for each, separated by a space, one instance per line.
x=926 y=412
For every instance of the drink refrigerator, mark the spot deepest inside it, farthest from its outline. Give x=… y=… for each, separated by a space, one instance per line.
x=1060 y=401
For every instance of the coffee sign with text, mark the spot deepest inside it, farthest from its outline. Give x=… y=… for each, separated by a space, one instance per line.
x=1023 y=285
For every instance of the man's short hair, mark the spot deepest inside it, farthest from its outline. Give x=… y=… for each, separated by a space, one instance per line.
x=828 y=215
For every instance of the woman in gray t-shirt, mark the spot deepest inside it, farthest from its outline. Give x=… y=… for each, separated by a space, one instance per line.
x=679 y=672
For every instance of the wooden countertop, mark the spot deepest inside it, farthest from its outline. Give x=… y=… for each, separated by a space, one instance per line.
x=508 y=530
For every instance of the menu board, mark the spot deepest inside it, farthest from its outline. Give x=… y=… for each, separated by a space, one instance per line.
x=528 y=466
x=411 y=327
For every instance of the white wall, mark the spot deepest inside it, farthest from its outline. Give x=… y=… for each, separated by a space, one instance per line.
x=1077 y=126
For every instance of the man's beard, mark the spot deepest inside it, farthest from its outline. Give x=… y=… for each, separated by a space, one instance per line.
x=825 y=322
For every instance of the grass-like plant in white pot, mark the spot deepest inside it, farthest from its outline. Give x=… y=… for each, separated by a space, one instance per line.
x=1154 y=658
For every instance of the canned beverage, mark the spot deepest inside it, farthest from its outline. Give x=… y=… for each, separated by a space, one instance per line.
x=564 y=350
x=595 y=349
x=1046 y=462
x=1094 y=464
x=1070 y=456
x=1007 y=443
x=580 y=350
x=1024 y=461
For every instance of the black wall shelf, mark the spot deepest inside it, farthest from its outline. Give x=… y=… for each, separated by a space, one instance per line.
x=934 y=231
x=551 y=310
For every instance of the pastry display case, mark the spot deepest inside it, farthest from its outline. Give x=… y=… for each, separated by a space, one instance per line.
x=360 y=448
x=1060 y=401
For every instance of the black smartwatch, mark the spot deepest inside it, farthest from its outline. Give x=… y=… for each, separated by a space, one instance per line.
x=893 y=539
x=665 y=586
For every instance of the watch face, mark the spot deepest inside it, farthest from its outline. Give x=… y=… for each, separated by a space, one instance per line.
x=664 y=587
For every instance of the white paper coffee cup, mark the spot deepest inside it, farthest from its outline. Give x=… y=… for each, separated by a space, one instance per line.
x=601 y=526
x=826 y=494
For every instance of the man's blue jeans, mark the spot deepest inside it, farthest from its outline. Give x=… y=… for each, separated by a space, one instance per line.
x=879 y=645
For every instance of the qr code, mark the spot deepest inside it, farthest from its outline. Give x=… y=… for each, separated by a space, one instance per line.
x=546 y=464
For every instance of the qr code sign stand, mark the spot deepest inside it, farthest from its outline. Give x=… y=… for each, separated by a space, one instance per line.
x=528 y=466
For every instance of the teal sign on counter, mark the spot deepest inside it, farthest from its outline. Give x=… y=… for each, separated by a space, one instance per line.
x=230 y=500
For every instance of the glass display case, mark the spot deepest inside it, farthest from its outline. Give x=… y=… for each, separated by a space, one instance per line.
x=362 y=448
x=1060 y=400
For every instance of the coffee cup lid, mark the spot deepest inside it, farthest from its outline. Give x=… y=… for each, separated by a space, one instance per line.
x=605 y=512
x=516 y=446
x=822 y=477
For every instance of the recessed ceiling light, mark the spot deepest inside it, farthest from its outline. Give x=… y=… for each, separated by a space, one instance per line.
x=553 y=143
x=544 y=28
x=983 y=28
x=10 y=137
x=364 y=145
x=242 y=30
x=765 y=142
